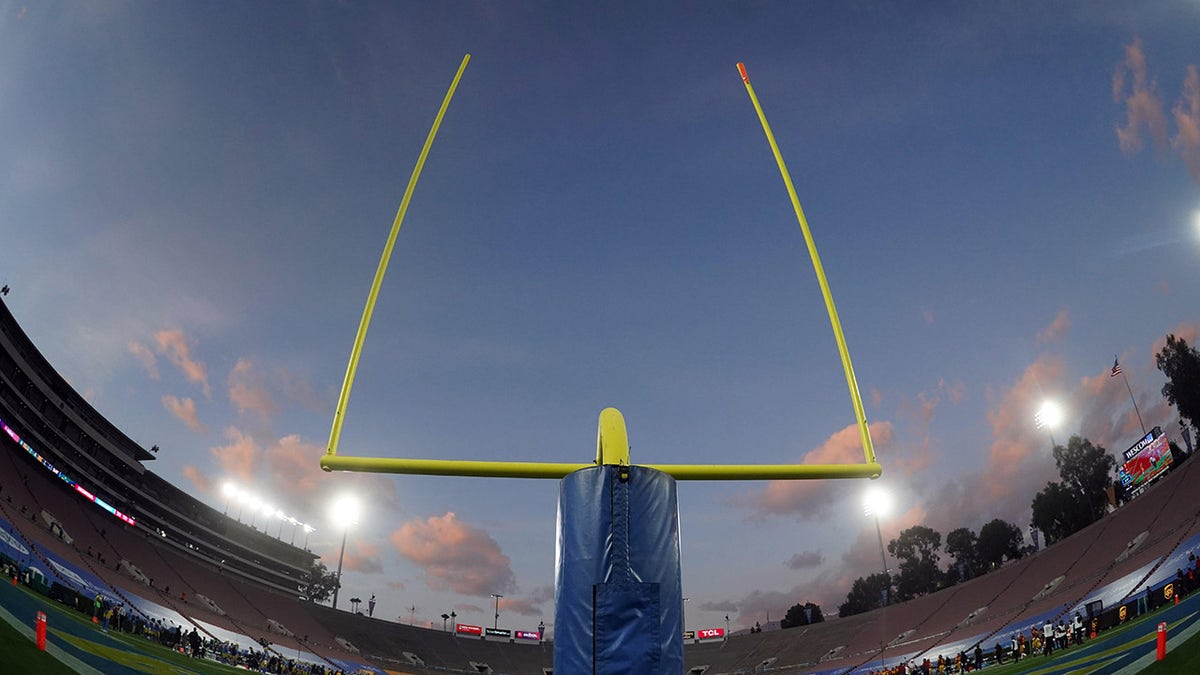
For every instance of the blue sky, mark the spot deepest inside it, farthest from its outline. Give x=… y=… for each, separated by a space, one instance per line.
x=194 y=198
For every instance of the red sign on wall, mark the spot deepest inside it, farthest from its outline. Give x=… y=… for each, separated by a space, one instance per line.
x=468 y=629
x=709 y=633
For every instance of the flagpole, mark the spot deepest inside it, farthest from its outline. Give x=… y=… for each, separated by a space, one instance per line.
x=1117 y=369
x=1134 y=402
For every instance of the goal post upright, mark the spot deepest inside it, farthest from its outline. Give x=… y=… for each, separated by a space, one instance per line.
x=618 y=588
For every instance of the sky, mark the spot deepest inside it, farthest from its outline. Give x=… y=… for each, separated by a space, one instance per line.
x=1005 y=197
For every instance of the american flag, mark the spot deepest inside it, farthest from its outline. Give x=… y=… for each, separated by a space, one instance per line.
x=1116 y=369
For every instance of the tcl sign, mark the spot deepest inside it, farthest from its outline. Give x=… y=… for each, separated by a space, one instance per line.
x=468 y=629
x=709 y=633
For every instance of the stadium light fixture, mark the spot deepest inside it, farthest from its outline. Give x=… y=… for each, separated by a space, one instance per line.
x=229 y=491
x=1049 y=416
x=877 y=502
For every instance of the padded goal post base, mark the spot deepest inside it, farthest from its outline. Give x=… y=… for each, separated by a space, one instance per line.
x=618 y=594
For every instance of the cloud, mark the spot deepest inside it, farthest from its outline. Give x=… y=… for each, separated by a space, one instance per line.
x=912 y=458
x=396 y=585
x=362 y=556
x=1143 y=106
x=183 y=409
x=198 y=478
x=173 y=345
x=927 y=315
x=1184 y=331
x=805 y=560
x=455 y=555
x=298 y=388
x=762 y=606
x=146 y=358
x=294 y=465
x=248 y=390
x=720 y=606
x=532 y=604
x=811 y=499
x=1187 y=120
x=1057 y=329
x=286 y=471
x=237 y=459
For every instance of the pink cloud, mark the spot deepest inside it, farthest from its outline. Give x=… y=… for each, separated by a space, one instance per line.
x=521 y=606
x=1187 y=120
x=362 y=556
x=294 y=465
x=455 y=555
x=396 y=585
x=173 y=345
x=238 y=458
x=248 y=390
x=1018 y=463
x=1184 y=331
x=184 y=410
x=146 y=358
x=198 y=478
x=1057 y=329
x=955 y=391
x=1143 y=106
x=810 y=499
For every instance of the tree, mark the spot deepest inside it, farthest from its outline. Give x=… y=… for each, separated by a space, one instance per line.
x=1085 y=470
x=1055 y=512
x=999 y=539
x=1180 y=362
x=318 y=583
x=802 y=615
x=962 y=545
x=917 y=550
x=1062 y=509
x=866 y=594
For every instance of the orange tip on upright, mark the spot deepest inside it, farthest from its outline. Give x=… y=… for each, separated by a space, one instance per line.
x=742 y=70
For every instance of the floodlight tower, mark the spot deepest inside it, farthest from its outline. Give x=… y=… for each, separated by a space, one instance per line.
x=878 y=502
x=344 y=514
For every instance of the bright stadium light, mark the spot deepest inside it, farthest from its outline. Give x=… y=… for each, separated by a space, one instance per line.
x=877 y=502
x=229 y=491
x=1049 y=416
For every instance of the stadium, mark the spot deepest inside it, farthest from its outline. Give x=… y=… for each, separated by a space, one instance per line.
x=85 y=521
x=1006 y=204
